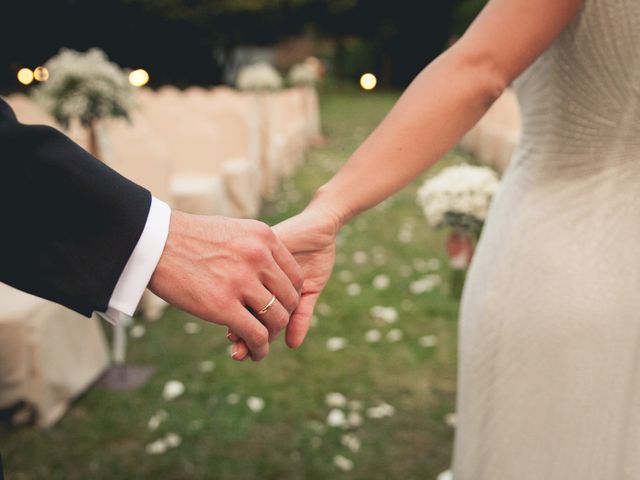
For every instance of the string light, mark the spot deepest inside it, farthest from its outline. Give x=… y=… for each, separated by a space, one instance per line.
x=139 y=78
x=41 y=74
x=25 y=76
x=368 y=81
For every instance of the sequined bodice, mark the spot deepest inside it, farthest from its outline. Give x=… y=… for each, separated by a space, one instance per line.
x=582 y=97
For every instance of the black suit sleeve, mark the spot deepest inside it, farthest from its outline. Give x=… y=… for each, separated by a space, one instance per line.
x=69 y=223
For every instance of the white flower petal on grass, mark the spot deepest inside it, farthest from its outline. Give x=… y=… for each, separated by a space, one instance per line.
x=386 y=314
x=420 y=265
x=233 y=398
x=192 y=328
x=360 y=257
x=394 y=335
x=172 y=389
x=138 y=331
x=172 y=440
x=354 y=289
x=207 y=366
x=381 y=282
x=372 y=336
x=343 y=463
x=336 y=418
x=157 y=447
x=428 y=341
x=405 y=236
x=405 y=271
x=335 y=400
x=379 y=258
x=425 y=284
x=156 y=420
x=381 y=411
x=450 y=419
x=255 y=404
x=433 y=264
x=354 y=420
x=336 y=343
x=345 y=276
x=350 y=441
x=323 y=309
x=153 y=423
x=447 y=475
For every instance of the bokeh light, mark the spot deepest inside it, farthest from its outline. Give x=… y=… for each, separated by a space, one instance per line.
x=139 y=77
x=25 y=76
x=41 y=74
x=368 y=81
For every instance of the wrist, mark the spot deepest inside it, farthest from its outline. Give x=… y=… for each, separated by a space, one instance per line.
x=325 y=201
x=160 y=273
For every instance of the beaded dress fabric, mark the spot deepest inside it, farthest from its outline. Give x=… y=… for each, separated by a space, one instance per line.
x=549 y=372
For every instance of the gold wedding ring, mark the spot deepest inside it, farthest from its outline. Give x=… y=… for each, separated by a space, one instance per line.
x=268 y=305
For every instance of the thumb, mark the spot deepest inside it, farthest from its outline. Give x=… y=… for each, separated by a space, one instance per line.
x=301 y=320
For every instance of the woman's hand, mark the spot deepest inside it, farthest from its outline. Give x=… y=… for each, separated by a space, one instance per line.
x=311 y=237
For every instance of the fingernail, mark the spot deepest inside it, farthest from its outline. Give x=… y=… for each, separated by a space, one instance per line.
x=235 y=352
x=229 y=335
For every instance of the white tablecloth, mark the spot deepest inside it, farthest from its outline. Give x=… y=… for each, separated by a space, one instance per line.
x=48 y=354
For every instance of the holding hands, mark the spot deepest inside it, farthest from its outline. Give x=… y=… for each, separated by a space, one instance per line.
x=311 y=238
x=226 y=271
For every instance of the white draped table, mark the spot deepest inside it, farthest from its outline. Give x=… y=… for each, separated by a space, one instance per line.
x=48 y=354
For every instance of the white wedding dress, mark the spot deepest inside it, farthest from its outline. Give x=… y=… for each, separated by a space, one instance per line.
x=549 y=375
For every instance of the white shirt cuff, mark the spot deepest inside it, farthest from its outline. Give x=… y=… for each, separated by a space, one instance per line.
x=142 y=263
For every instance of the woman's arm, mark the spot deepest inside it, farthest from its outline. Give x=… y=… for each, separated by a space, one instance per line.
x=445 y=100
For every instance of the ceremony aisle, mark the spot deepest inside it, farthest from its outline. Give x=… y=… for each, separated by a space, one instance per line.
x=369 y=396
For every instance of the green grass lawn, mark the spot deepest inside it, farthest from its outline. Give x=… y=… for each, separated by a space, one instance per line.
x=105 y=434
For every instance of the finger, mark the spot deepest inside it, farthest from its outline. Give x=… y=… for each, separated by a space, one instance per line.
x=301 y=320
x=232 y=336
x=239 y=351
x=275 y=318
x=287 y=264
x=252 y=332
x=276 y=282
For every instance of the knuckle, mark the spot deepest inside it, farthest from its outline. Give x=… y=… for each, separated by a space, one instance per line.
x=265 y=231
x=298 y=279
x=256 y=252
x=259 y=336
x=293 y=300
x=261 y=229
x=281 y=320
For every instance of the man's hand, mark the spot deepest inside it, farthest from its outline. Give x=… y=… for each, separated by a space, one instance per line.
x=222 y=270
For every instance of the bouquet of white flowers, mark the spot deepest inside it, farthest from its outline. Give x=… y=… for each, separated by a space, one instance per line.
x=302 y=74
x=259 y=76
x=86 y=86
x=459 y=197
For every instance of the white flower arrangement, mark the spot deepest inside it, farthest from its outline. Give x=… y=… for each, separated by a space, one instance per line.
x=303 y=75
x=86 y=86
x=259 y=76
x=459 y=197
